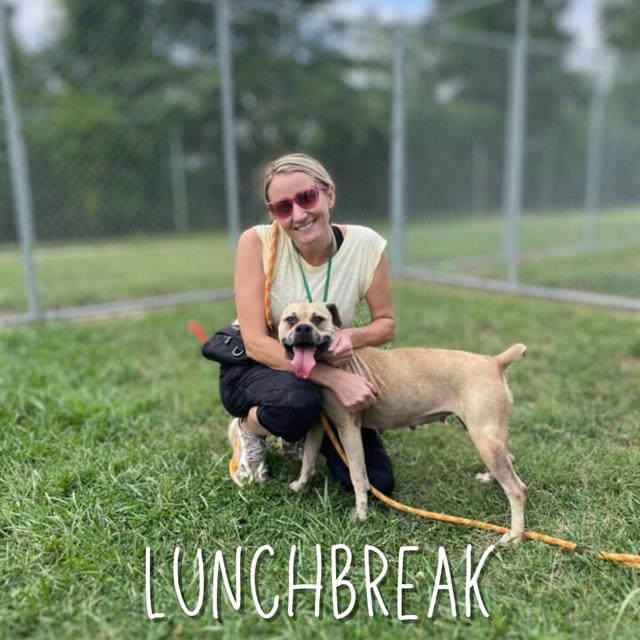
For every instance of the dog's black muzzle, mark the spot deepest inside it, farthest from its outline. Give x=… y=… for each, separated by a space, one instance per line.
x=305 y=335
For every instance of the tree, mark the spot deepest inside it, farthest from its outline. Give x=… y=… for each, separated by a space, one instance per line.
x=620 y=21
x=125 y=72
x=460 y=103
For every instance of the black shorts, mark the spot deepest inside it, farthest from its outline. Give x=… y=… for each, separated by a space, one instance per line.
x=288 y=407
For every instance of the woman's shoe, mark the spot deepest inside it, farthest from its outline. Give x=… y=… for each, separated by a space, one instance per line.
x=248 y=459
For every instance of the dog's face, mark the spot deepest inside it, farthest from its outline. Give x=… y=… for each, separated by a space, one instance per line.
x=305 y=331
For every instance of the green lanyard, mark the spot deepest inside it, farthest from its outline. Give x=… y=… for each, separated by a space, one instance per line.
x=325 y=297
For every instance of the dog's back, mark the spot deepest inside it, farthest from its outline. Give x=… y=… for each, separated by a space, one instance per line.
x=419 y=385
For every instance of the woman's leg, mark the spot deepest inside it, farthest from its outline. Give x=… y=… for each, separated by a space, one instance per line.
x=267 y=402
x=378 y=463
x=252 y=426
x=273 y=401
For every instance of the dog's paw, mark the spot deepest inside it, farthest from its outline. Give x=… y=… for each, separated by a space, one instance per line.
x=509 y=540
x=361 y=515
x=484 y=478
x=297 y=486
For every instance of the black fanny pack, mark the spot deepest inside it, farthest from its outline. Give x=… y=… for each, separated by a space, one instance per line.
x=227 y=348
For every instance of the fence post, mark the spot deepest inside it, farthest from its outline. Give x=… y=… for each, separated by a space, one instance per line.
x=595 y=149
x=548 y=169
x=479 y=166
x=178 y=180
x=397 y=169
x=19 y=170
x=514 y=143
x=223 y=10
x=613 y=151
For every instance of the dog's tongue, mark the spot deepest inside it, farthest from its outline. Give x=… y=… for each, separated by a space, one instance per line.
x=303 y=361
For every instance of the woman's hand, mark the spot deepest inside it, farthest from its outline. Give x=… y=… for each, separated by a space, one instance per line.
x=340 y=350
x=354 y=392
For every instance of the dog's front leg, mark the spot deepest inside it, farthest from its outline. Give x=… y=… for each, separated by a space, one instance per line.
x=312 y=444
x=351 y=438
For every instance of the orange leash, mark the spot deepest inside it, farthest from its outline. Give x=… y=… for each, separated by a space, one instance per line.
x=627 y=559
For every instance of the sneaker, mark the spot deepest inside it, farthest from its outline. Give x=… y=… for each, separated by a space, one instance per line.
x=293 y=449
x=248 y=460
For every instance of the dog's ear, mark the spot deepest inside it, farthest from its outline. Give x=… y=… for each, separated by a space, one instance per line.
x=335 y=316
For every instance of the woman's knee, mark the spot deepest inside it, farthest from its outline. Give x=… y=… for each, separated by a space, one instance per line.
x=293 y=414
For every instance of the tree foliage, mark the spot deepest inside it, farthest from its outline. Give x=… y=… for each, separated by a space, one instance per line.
x=100 y=104
x=127 y=72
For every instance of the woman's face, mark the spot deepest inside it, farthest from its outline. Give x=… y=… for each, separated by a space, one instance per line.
x=304 y=226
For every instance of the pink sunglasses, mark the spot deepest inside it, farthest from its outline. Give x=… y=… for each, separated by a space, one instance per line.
x=306 y=199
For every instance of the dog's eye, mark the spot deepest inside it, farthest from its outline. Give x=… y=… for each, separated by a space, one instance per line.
x=317 y=320
x=291 y=320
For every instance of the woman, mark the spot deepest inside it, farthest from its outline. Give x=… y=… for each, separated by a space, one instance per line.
x=316 y=261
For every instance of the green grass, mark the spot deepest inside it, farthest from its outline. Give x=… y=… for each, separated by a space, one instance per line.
x=612 y=271
x=113 y=439
x=554 y=252
x=454 y=237
x=94 y=272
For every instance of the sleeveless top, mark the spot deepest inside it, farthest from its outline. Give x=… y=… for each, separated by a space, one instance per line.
x=352 y=271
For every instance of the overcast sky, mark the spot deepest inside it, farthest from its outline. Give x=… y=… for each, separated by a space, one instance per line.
x=36 y=22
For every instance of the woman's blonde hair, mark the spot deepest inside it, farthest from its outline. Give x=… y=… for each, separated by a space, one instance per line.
x=293 y=162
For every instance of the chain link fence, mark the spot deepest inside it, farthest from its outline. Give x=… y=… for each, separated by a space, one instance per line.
x=124 y=124
x=579 y=224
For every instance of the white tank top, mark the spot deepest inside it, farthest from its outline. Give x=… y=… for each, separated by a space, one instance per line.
x=352 y=271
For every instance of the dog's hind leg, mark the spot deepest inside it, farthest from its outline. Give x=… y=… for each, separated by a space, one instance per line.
x=490 y=441
x=486 y=478
x=312 y=444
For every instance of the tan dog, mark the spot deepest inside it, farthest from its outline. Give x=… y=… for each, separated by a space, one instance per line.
x=415 y=386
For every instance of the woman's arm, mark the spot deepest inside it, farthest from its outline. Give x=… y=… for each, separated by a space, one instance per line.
x=249 y=294
x=381 y=328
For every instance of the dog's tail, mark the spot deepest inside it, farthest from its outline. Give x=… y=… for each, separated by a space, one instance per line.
x=513 y=353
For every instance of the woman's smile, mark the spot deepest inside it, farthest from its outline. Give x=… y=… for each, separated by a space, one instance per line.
x=305 y=226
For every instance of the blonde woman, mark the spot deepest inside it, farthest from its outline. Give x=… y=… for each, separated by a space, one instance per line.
x=315 y=261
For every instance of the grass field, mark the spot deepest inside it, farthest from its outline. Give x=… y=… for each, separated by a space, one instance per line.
x=553 y=255
x=70 y=274
x=553 y=251
x=113 y=440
